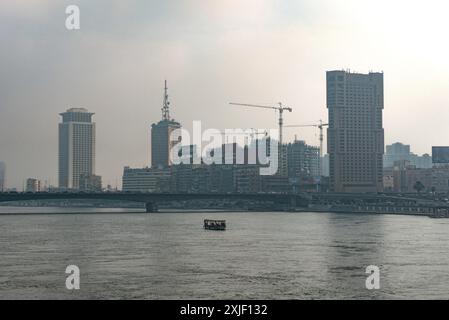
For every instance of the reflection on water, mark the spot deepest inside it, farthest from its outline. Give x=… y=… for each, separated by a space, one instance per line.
x=260 y=256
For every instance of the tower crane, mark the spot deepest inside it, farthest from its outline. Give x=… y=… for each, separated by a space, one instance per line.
x=320 y=126
x=281 y=108
x=252 y=134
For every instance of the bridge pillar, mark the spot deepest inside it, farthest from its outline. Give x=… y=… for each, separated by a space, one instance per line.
x=151 y=207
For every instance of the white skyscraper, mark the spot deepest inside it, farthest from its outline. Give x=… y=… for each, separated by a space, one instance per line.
x=76 y=147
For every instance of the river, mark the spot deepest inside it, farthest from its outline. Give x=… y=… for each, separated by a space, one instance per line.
x=128 y=254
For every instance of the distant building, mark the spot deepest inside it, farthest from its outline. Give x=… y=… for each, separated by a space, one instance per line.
x=76 y=147
x=33 y=185
x=221 y=178
x=247 y=179
x=440 y=179
x=303 y=160
x=403 y=178
x=181 y=178
x=283 y=163
x=276 y=183
x=355 y=134
x=90 y=183
x=200 y=179
x=424 y=161
x=242 y=178
x=398 y=152
x=146 y=180
x=2 y=176
x=231 y=153
x=160 y=136
x=388 y=181
x=440 y=155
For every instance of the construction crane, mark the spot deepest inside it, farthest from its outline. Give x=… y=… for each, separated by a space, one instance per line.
x=281 y=108
x=320 y=126
x=252 y=134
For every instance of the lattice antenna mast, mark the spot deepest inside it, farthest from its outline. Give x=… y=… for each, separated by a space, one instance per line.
x=166 y=105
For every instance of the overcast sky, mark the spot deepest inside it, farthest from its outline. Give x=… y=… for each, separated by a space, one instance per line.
x=211 y=52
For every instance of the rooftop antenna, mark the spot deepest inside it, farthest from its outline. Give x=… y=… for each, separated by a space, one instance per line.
x=166 y=106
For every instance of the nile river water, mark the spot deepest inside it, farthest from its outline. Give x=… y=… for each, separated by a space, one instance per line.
x=133 y=255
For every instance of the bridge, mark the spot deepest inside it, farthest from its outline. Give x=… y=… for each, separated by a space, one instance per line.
x=271 y=201
x=151 y=200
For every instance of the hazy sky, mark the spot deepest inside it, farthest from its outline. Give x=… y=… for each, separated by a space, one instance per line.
x=211 y=52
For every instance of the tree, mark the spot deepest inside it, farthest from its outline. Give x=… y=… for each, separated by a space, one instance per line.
x=419 y=186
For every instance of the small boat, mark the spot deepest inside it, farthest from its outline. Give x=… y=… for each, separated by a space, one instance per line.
x=219 y=225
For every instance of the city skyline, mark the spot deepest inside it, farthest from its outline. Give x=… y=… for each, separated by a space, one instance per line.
x=270 y=54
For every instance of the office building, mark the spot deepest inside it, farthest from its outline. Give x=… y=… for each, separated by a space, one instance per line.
x=440 y=155
x=146 y=180
x=76 y=147
x=355 y=135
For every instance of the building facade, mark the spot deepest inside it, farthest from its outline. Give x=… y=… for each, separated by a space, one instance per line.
x=303 y=160
x=90 y=183
x=76 y=147
x=325 y=165
x=440 y=155
x=405 y=178
x=355 y=104
x=33 y=185
x=146 y=180
x=161 y=144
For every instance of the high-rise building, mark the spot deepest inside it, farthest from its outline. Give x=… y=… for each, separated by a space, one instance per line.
x=76 y=147
x=161 y=143
x=355 y=135
x=2 y=176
